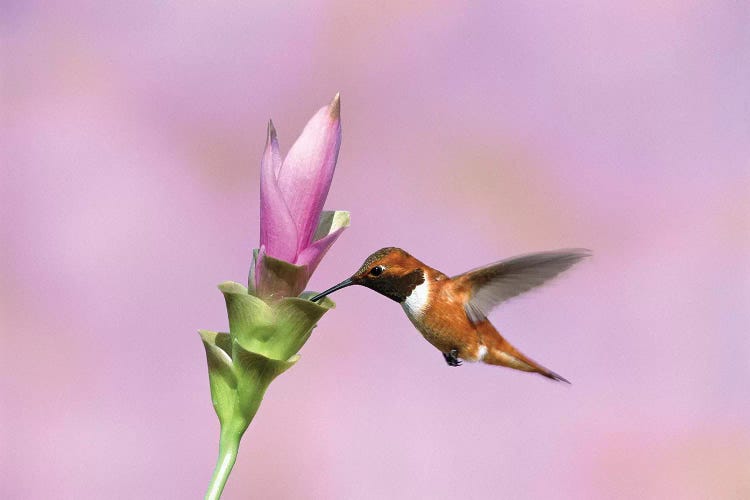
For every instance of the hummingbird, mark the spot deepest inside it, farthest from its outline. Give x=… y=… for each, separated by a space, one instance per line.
x=451 y=312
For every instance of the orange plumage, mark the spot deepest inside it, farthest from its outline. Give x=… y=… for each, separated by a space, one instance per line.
x=451 y=313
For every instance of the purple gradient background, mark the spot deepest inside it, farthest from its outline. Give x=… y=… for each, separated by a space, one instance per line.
x=131 y=143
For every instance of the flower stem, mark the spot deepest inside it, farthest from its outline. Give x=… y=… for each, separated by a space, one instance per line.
x=229 y=443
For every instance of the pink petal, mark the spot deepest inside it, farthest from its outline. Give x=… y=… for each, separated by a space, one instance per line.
x=306 y=174
x=312 y=255
x=278 y=233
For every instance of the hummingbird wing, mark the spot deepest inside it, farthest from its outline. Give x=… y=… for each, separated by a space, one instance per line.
x=498 y=282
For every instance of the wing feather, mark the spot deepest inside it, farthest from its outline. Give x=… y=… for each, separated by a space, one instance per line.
x=496 y=283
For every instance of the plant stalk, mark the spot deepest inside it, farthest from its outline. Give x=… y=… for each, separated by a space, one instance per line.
x=229 y=444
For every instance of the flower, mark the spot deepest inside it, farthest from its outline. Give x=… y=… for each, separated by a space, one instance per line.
x=293 y=228
x=268 y=322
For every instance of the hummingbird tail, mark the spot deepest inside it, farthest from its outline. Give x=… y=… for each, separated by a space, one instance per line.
x=520 y=362
x=501 y=352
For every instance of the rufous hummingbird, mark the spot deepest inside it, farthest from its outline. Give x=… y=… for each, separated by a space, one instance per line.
x=451 y=313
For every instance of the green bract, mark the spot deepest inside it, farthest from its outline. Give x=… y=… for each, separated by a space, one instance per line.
x=271 y=320
x=277 y=277
x=263 y=342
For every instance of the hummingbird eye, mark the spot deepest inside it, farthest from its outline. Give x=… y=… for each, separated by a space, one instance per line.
x=377 y=271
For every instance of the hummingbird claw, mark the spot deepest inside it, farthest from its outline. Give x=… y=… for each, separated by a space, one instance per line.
x=452 y=358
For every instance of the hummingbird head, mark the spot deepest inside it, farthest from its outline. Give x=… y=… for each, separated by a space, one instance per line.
x=390 y=271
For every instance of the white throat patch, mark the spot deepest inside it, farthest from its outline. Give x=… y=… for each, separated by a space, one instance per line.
x=416 y=303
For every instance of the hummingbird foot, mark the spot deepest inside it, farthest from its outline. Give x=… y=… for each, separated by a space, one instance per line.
x=452 y=358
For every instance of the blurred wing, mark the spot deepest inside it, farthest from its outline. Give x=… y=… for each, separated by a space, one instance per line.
x=503 y=280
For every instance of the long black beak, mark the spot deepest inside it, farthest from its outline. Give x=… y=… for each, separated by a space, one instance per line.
x=343 y=284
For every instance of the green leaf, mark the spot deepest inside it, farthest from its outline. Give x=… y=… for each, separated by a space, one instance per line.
x=324 y=302
x=250 y=319
x=295 y=319
x=330 y=221
x=276 y=331
x=221 y=375
x=279 y=278
x=254 y=373
x=251 y=274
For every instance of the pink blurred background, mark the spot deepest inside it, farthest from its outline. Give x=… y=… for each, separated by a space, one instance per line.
x=131 y=142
